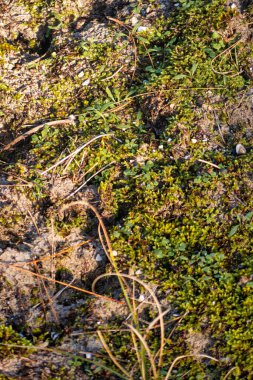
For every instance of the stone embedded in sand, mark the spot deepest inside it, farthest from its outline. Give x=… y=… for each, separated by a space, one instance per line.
x=240 y=149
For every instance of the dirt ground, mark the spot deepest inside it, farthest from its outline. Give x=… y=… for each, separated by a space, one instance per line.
x=28 y=302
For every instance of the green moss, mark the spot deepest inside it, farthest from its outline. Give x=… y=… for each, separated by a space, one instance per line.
x=11 y=343
x=187 y=223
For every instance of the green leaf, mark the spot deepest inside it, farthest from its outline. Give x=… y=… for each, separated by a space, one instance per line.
x=210 y=52
x=108 y=91
x=159 y=253
x=193 y=69
x=233 y=230
x=182 y=247
x=249 y=215
x=179 y=76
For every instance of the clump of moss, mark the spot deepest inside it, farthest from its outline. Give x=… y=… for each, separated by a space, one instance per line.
x=11 y=343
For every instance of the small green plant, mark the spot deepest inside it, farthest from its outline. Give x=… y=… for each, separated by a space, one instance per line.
x=12 y=343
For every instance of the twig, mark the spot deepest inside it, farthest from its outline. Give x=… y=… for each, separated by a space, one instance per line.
x=230 y=371
x=34 y=130
x=49 y=257
x=186 y=356
x=93 y=175
x=208 y=163
x=67 y=285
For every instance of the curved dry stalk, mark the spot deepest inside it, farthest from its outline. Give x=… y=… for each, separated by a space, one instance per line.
x=73 y=154
x=154 y=322
x=145 y=345
x=87 y=204
x=229 y=372
x=113 y=359
x=34 y=130
x=108 y=242
x=187 y=356
x=150 y=291
x=93 y=175
x=179 y=319
x=143 y=373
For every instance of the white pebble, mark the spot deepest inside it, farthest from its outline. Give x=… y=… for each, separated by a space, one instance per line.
x=141 y=298
x=138 y=272
x=81 y=74
x=240 y=149
x=99 y=257
x=86 y=82
x=114 y=253
x=194 y=141
x=141 y=29
x=134 y=20
x=160 y=147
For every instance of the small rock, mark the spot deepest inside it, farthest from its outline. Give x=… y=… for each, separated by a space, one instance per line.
x=233 y=6
x=141 y=29
x=99 y=257
x=194 y=141
x=134 y=20
x=114 y=253
x=141 y=298
x=72 y=117
x=240 y=149
x=81 y=74
x=86 y=82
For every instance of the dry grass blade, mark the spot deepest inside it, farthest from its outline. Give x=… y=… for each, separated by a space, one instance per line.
x=229 y=372
x=109 y=251
x=154 y=322
x=88 y=205
x=208 y=163
x=73 y=154
x=140 y=362
x=145 y=345
x=49 y=257
x=93 y=175
x=150 y=291
x=225 y=52
x=120 y=23
x=66 y=284
x=113 y=75
x=34 y=130
x=187 y=356
x=112 y=357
